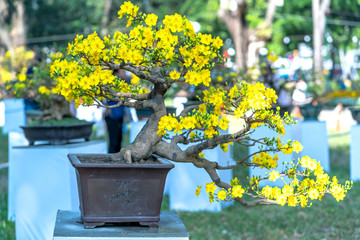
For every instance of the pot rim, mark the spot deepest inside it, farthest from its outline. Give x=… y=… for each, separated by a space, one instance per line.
x=75 y=162
x=58 y=126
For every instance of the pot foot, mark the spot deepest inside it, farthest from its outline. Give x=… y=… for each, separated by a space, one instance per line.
x=150 y=224
x=91 y=225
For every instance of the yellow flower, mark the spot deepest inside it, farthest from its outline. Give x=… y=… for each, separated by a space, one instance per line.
x=287 y=190
x=135 y=79
x=44 y=90
x=151 y=20
x=217 y=43
x=237 y=191
x=303 y=200
x=221 y=194
x=198 y=189
x=21 y=77
x=297 y=147
x=313 y=193
x=202 y=108
x=202 y=155
x=223 y=123
x=210 y=187
x=174 y=75
x=281 y=199
x=292 y=201
x=274 y=175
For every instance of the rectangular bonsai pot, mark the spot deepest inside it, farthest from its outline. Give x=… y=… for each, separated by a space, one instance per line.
x=111 y=193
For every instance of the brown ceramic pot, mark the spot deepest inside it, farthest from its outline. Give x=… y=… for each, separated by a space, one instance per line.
x=113 y=193
x=57 y=135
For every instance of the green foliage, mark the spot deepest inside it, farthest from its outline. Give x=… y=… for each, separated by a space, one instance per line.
x=54 y=122
x=48 y=18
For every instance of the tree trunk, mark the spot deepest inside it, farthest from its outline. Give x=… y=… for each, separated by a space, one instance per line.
x=4 y=33
x=246 y=41
x=18 y=32
x=17 y=36
x=106 y=18
x=144 y=144
x=234 y=20
x=319 y=8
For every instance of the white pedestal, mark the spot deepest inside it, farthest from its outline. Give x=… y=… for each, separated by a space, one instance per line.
x=183 y=180
x=355 y=153
x=14 y=115
x=69 y=227
x=41 y=181
x=2 y=113
x=314 y=139
x=93 y=114
x=311 y=134
x=261 y=132
x=14 y=139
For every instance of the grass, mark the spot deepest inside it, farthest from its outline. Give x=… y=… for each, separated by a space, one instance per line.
x=323 y=220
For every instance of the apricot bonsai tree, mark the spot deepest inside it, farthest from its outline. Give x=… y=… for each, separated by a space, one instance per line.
x=168 y=53
x=24 y=75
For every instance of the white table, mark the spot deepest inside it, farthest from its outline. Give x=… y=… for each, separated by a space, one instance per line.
x=311 y=134
x=69 y=227
x=41 y=181
x=14 y=115
x=355 y=153
x=314 y=139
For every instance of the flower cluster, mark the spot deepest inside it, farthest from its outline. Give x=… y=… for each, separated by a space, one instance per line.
x=314 y=184
x=13 y=69
x=236 y=191
x=148 y=44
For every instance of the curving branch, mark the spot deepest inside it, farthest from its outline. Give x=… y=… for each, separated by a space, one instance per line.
x=135 y=104
x=215 y=141
x=153 y=75
x=135 y=96
x=188 y=109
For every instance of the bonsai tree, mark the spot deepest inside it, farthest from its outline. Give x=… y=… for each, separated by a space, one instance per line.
x=169 y=52
x=26 y=75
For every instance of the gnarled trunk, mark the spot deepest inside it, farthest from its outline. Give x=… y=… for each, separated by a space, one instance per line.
x=144 y=144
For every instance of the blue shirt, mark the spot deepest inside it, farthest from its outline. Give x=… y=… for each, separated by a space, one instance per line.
x=116 y=113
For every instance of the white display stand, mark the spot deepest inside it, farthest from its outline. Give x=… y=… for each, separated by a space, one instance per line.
x=311 y=134
x=355 y=153
x=14 y=139
x=183 y=180
x=2 y=113
x=69 y=227
x=14 y=115
x=261 y=132
x=41 y=181
x=93 y=114
x=314 y=139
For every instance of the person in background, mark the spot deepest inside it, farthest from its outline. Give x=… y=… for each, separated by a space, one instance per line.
x=114 y=120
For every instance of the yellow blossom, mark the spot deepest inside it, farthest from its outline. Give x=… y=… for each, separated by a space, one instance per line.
x=274 y=175
x=151 y=20
x=198 y=189
x=174 y=75
x=221 y=194
x=237 y=191
x=210 y=187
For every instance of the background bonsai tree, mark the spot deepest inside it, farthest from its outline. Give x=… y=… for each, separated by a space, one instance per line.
x=168 y=53
x=27 y=75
